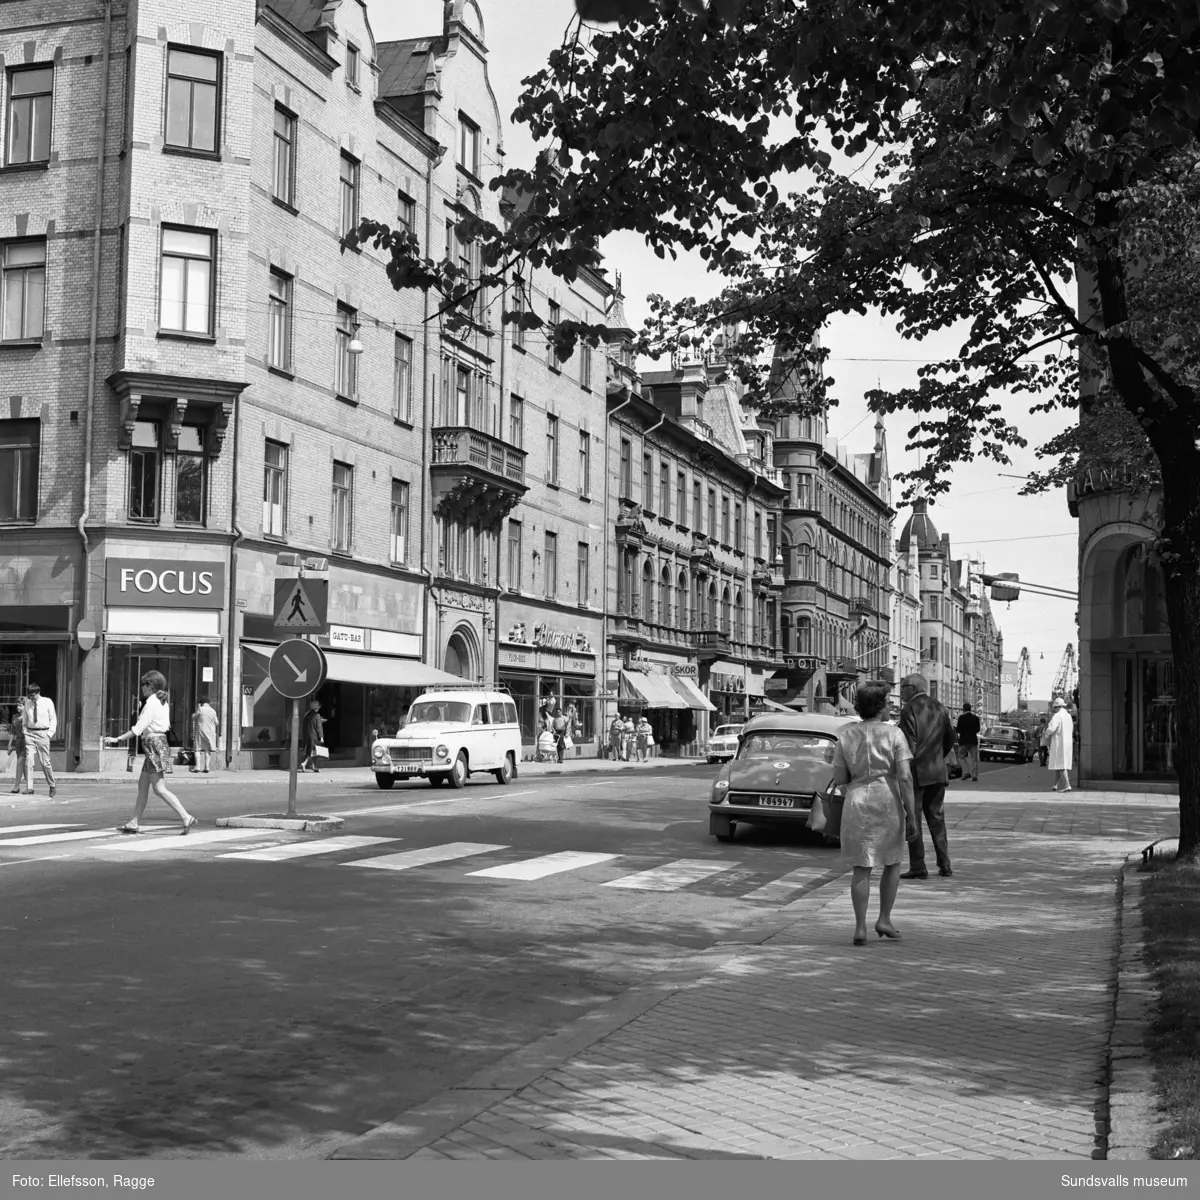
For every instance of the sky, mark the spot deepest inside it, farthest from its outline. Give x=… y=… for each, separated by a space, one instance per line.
x=983 y=513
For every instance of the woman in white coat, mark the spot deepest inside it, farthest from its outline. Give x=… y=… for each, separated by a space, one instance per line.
x=1059 y=737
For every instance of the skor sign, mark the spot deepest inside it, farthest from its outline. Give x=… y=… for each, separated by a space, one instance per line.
x=142 y=583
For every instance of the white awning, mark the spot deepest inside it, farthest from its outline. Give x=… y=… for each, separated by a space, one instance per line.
x=693 y=696
x=770 y=704
x=376 y=670
x=654 y=690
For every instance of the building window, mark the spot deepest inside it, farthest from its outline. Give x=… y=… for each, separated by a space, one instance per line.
x=698 y=507
x=725 y=521
x=516 y=422
x=772 y=552
x=23 y=299
x=352 y=65
x=349 y=189
x=406 y=213
x=582 y=590
x=585 y=463
x=30 y=106
x=935 y=608
x=402 y=379
x=345 y=366
x=342 y=513
x=664 y=490
x=712 y=513
x=284 y=182
x=191 y=100
x=514 y=556
x=551 y=449
x=399 y=521
x=186 y=298
x=518 y=311
x=648 y=482
x=144 y=465
x=804 y=491
x=462 y=396
x=550 y=565
x=933 y=649
x=191 y=490
x=758 y=535
x=551 y=326
x=275 y=468
x=737 y=527
x=626 y=480
x=681 y=498
x=469 y=146
x=804 y=635
x=585 y=365
x=804 y=562
x=20 y=442
x=279 y=321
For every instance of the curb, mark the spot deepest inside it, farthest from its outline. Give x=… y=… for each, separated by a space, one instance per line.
x=409 y=1131
x=1133 y=1111
x=295 y=824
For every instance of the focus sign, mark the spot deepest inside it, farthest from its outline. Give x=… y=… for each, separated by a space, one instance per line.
x=297 y=669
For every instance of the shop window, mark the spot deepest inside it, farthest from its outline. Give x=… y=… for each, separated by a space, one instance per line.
x=192 y=100
x=27 y=662
x=145 y=467
x=275 y=489
x=191 y=477
x=30 y=107
x=23 y=290
x=186 y=282
x=20 y=445
x=284 y=177
x=192 y=673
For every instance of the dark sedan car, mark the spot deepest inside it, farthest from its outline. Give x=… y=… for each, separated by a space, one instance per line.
x=1005 y=742
x=783 y=762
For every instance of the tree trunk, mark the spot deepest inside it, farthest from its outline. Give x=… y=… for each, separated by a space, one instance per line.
x=1181 y=542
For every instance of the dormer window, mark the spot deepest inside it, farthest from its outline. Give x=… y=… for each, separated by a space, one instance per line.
x=352 y=66
x=469 y=157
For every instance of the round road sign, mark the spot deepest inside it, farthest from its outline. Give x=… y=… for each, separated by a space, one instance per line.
x=297 y=668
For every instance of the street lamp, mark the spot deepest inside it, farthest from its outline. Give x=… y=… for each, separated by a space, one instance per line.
x=355 y=347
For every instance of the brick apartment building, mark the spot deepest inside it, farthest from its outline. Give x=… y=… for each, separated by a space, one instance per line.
x=200 y=379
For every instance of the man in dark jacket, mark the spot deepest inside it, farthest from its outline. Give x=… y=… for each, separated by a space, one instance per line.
x=967 y=730
x=930 y=735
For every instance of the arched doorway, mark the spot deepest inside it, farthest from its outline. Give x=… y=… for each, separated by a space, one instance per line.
x=458 y=659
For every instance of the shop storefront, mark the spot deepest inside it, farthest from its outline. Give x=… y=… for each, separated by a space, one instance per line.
x=727 y=692
x=164 y=615
x=550 y=668
x=664 y=689
x=35 y=648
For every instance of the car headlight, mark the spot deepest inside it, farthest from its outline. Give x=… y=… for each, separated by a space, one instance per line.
x=378 y=751
x=721 y=784
x=443 y=752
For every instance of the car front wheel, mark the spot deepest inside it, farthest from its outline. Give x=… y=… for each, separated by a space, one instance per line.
x=722 y=828
x=384 y=781
x=458 y=772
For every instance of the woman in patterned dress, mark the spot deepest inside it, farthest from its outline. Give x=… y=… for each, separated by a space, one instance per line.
x=152 y=725
x=872 y=758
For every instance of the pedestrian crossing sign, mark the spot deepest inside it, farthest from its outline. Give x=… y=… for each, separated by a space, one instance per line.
x=302 y=605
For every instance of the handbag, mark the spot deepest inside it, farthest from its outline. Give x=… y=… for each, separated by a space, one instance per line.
x=321 y=751
x=816 y=817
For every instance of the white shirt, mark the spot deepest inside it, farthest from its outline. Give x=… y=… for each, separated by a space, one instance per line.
x=155 y=717
x=46 y=720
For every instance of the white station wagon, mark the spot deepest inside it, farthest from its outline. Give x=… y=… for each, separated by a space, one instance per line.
x=723 y=743
x=450 y=734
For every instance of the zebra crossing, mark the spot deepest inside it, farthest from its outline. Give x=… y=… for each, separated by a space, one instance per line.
x=624 y=872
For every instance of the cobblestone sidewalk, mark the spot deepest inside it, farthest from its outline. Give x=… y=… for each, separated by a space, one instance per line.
x=983 y=1034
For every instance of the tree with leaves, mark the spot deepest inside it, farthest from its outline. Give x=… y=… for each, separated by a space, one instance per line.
x=1021 y=173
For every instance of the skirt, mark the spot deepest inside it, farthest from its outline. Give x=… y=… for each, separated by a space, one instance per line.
x=158 y=754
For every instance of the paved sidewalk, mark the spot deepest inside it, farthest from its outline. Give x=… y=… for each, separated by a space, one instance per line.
x=983 y=1034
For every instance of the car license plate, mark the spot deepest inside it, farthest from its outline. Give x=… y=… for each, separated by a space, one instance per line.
x=775 y=801
x=407 y=768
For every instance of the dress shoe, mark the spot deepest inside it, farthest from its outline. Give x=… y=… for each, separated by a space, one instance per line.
x=946 y=872
x=53 y=791
x=914 y=875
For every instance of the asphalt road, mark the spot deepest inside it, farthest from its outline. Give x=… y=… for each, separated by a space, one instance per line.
x=211 y=997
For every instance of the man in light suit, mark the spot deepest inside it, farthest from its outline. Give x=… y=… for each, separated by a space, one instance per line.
x=41 y=724
x=930 y=735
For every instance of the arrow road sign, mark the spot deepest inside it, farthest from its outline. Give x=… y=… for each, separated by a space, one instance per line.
x=302 y=605
x=297 y=669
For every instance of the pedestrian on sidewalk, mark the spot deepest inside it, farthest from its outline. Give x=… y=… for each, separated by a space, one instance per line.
x=926 y=725
x=152 y=725
x=872 y=763
x=205 y=734
x=17 y=749
x=1060 y=739
x=628 y=737
x=313 y=736
x=645 y=738
x=559 y=727
x=967 y=730
x=616 y=731
x=39 y=723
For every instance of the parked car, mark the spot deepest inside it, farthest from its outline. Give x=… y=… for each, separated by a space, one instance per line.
x=450 y=734
x=722 y=745
x=783 y=762
x=1005 y=742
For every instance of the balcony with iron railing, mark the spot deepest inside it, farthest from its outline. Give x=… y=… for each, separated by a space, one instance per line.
x=865 y=605
x=475 y=477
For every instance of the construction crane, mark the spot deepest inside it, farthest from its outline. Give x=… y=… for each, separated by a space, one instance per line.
x=1023 y=671
x=1067 y=677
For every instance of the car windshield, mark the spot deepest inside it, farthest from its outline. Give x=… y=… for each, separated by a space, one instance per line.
x=776 y=743
x=439 y=712
x=1004 y=735
x=727 y=731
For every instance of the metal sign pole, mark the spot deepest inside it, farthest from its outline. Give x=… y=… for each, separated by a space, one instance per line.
x=293 y=758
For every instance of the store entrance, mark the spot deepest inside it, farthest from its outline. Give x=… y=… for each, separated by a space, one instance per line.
x=1145 y=736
